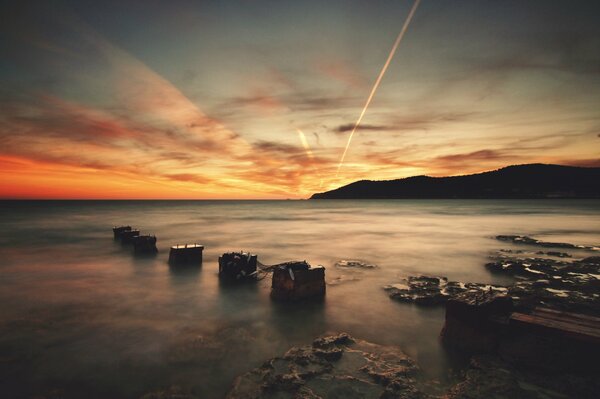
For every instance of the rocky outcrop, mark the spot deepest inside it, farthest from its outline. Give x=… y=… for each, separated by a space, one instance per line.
x=336 y=366
x=432 y=290
x=516 y=239
x=568 y=285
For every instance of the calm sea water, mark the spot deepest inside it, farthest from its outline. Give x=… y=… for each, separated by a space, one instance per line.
x=79 y=315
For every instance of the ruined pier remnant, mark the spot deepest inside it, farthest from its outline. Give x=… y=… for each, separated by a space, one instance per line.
x=298 y=280
x=475 y=320
x=235 y=266
x=118 y=231
x=186 y=254
x=538 y=338
x=127 y=236
x=144 y=244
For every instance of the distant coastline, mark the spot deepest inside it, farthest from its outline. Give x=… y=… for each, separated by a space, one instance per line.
x=531 y=181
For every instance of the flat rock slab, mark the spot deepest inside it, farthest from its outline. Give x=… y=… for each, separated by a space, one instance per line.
x=336 y=366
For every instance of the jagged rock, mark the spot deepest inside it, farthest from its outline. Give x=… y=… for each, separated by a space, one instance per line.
x=333 y=367
x=570 y=285
x=431 y=290
x=298 y=280
x=516 y=239
x=354 y=264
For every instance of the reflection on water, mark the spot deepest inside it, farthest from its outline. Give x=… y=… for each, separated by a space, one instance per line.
x=80 y=314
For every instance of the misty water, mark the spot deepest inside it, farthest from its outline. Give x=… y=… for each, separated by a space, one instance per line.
x=80 y=316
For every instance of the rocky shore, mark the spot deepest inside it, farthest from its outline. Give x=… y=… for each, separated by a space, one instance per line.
x=538 y=337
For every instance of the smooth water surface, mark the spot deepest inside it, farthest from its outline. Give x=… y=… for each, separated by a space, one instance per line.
x=80 y=315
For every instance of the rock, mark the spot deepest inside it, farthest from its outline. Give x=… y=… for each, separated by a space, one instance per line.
x=568 y=285
x=489 y=377
x=335 y=366
x=298 y=280
x=235 y=266
x=173 y=392
x=431 y=290
x=354 y=264
x=515 y=239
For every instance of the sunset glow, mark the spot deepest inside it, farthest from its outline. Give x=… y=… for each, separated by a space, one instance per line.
x=205 y=101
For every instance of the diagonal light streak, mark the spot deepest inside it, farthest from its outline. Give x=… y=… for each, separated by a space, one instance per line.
x=378 y=81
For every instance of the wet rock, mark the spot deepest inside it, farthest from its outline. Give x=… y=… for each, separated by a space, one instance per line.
x=236 y=266
x=432 y=290
x=297 y=280
x=569 y=285
x=333 y=367
x=489 y=377
x=516 y=239
x=173 y=392
x=354 y=264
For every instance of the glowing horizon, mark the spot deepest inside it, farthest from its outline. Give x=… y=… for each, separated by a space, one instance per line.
x=200 y=101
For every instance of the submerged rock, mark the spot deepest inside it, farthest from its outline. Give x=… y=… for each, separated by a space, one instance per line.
x=354 y=264
x=573 y=285
x=432 y=290
x=336 y=366
x=516 y=239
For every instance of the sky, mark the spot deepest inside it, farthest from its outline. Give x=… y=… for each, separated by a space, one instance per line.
x=257 y=99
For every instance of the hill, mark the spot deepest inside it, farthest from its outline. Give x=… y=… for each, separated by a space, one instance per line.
x=517 y=181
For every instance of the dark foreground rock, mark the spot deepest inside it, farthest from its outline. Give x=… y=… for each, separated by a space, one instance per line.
x=490 y=377
x=335 y=366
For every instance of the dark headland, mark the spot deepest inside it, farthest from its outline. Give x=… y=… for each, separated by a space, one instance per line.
x=518 y=181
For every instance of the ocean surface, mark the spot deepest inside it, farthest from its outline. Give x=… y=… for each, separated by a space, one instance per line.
x=80 y=316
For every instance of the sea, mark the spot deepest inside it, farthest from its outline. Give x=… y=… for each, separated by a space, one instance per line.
x=82 y=317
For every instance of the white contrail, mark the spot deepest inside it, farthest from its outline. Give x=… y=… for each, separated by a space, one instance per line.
x=376 y=85
x=309 y=154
